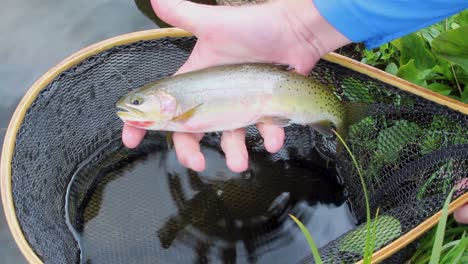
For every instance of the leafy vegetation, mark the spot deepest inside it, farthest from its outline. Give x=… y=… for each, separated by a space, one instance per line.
x=446 y=243
x=435 y=57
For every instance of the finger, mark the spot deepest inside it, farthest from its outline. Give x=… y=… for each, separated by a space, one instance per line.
x=132 y=136
x=273 y=136
x=193 y=62
x=304 y=66
x=184 y=14
x=461 y=214
x=187 y=146
x=233 y=145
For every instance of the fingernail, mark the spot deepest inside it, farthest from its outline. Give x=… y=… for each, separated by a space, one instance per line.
x=192 y=162
x=272 y=144
x=195 y=161
x=237 y=163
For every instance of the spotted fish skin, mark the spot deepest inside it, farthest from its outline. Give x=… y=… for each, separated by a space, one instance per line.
x=228 y=97
x=239 y=2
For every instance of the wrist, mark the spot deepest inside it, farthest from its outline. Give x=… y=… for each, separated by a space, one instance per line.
x=310 y=29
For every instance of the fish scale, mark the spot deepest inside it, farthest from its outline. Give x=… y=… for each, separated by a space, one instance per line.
x=239 y=2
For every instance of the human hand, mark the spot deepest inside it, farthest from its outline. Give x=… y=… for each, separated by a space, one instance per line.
x=461 y=214
x=286 y=31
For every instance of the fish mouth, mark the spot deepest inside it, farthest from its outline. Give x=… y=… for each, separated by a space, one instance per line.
x=127 y=111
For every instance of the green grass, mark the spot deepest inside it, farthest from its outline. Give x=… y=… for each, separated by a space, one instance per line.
x=369 y=247
x=439 y=236
x=454 y=245
x=310 y=241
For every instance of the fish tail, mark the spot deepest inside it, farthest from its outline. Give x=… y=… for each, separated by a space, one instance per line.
x=354 y=112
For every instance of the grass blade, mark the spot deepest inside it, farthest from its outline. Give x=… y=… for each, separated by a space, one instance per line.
x=311 y=242
x=455 y=254
x=439 y=237
x=374 y=232
x=367 y=251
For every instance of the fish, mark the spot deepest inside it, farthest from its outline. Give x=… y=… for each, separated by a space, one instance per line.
x=228 y=97
x=239 y=2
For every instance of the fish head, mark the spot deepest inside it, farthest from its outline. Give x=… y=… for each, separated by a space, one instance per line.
x=147 y=110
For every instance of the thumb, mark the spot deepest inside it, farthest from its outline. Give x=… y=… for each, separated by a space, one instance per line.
x=305 y=65
x=184 y=14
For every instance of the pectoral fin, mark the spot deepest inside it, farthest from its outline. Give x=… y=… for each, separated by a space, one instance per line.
x=274 y=120
x=323 y=127
x=187 y=114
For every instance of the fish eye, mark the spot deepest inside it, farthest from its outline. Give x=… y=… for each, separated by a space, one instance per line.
x=136 y=100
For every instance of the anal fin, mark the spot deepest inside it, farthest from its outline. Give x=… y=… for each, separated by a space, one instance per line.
x=323 y=127
x=169 y=141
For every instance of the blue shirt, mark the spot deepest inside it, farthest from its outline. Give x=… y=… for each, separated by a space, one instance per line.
x=376 y=22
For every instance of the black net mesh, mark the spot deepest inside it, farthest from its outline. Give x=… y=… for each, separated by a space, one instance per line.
x=160 y=211
x=412 y=152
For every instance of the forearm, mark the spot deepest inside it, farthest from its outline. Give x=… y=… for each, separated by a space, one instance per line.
x=376 y=22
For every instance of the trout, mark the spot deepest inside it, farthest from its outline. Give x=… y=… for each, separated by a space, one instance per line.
x=228 y=97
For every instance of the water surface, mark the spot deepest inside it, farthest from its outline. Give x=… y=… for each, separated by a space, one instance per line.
x=144 y=207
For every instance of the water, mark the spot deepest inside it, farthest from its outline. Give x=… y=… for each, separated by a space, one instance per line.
x=142 y=206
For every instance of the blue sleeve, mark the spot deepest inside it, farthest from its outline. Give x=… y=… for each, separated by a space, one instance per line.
x=376 y=22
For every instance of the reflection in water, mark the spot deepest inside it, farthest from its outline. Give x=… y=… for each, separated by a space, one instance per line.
x=243 y=207
x=147 y=208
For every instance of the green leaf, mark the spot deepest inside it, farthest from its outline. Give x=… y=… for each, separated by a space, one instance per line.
x=462 y=18
x=371 y=57
x=455 y=254
x=434 y=32
x=392 y=68
x=452 y=45
x=393 y=139
x=396 y=43
x=462 y=75
x=413 y=47
x=439 y=237
x=410 y=73
x=386 y=229
x=454 y=25
x=443 y=68
x=440 y=88
x=310 y=241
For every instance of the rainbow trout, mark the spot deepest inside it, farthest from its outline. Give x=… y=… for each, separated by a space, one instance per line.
x=228 y=97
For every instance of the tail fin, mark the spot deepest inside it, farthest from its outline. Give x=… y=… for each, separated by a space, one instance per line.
x=354 y=112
